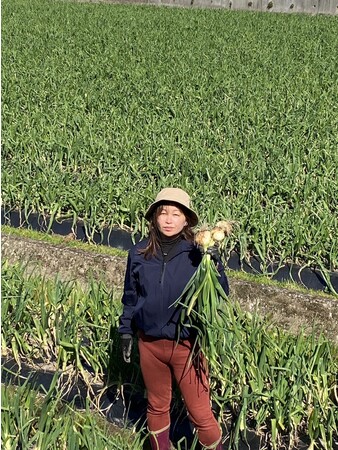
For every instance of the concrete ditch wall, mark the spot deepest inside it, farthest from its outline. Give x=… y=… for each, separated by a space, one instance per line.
x=329 y=7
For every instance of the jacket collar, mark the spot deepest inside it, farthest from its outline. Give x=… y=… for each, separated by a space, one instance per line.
x=181 y=247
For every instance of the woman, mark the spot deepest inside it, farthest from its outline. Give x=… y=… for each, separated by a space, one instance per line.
x=158 y=270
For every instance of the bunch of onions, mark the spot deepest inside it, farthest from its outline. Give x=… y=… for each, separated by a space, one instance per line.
x=203 y=296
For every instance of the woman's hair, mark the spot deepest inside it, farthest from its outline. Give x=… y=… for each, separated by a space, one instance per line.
x=154 y=233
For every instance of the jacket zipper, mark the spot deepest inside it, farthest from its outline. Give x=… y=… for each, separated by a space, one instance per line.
x=162 y=272
x=161 y=284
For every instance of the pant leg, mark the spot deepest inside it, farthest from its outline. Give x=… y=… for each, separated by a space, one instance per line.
x=157 y=377
x=193 y=382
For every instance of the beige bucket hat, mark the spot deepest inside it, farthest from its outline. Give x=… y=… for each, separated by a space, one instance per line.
x=175 y=195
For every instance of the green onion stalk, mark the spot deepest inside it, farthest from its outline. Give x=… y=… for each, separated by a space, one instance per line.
x=203 y=297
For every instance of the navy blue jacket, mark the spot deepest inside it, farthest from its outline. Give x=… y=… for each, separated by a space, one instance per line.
x=152 y=286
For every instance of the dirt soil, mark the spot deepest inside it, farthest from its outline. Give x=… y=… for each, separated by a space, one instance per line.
x=288 y=308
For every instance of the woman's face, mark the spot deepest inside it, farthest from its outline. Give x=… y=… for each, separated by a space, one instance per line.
x=171 y=220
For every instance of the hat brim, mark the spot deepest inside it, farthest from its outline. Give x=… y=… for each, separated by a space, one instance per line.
x=187 y=211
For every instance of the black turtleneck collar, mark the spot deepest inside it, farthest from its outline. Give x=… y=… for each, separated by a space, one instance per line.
x=168 y=243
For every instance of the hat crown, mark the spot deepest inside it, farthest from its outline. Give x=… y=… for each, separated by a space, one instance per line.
x=174 y=195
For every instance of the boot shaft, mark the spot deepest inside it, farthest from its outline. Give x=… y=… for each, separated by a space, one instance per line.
x=160 y=441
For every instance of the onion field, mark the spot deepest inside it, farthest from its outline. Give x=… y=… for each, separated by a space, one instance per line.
x=103 y=105
x=282 y=386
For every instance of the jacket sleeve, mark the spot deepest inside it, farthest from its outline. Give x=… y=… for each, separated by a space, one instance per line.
x=129 y=300
x=223 y=280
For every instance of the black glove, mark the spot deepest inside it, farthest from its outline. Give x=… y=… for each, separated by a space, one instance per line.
x=214 y=254
x=126 y=346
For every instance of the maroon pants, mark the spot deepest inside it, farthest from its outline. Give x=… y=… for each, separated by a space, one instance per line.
x=163 y=359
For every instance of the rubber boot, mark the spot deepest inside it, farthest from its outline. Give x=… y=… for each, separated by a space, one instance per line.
x=160 y=441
